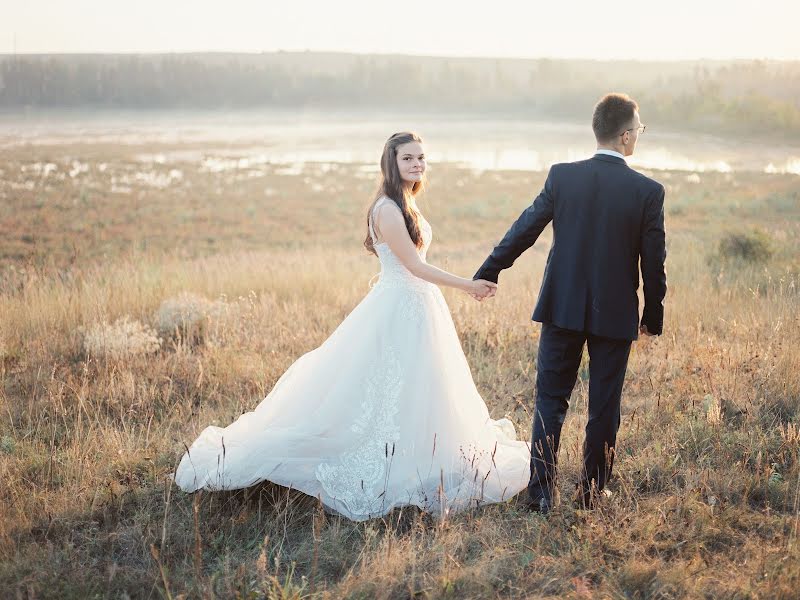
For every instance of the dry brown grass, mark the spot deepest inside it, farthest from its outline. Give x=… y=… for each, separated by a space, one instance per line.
x=707 y=486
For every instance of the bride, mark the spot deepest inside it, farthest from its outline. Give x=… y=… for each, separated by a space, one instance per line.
x=385 y=412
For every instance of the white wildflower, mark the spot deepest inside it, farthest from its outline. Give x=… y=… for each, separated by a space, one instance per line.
x=188 y=317
x=122 y=339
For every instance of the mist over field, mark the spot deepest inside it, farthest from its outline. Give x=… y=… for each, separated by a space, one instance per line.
x=753 y=98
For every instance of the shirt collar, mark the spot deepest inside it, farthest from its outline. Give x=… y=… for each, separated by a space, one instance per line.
x=609 y=152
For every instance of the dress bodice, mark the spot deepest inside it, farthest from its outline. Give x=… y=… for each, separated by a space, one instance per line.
x=393 y=272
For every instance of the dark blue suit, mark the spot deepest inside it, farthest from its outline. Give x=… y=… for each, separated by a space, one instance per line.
x=608 y=220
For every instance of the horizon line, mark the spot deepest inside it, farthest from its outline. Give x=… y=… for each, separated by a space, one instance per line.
x=396 y=55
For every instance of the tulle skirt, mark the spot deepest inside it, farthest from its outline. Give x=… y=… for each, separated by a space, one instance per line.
x=383 y=414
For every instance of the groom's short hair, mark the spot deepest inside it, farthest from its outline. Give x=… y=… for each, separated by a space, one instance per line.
x=611 y=114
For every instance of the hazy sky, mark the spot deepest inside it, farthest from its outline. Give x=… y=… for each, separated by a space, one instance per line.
x=647 y=29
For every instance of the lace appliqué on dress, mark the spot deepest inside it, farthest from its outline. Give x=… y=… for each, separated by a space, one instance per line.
x=358 y=477
x=413 y=308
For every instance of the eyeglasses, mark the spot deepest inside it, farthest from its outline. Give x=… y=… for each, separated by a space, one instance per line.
x=641 y=129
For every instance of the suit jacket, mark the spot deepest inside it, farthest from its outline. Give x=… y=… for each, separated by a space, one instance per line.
x=607 y=219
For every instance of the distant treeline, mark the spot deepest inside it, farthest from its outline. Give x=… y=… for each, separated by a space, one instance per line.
x=741 y=97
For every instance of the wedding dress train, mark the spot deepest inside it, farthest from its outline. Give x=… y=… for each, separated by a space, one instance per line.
x=383 y=414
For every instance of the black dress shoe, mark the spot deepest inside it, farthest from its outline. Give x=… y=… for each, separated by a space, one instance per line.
x=541 y=506
x=584 y=500
x=521 y=500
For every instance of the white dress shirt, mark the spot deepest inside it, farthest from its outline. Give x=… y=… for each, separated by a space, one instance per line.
x=609 y=152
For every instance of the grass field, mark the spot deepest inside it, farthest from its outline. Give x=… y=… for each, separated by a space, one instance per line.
x=266 y=260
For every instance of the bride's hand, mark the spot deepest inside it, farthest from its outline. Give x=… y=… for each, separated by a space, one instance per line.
x=481 y=289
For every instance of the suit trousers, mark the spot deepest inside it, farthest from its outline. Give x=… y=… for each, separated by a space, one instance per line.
x=557 y=364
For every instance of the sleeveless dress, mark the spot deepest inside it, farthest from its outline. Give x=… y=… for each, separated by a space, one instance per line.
x=383 y=414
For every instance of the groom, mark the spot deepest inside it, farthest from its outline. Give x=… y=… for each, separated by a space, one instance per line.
x=607 y=221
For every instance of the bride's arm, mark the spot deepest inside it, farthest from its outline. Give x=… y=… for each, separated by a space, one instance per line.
x=393 y=229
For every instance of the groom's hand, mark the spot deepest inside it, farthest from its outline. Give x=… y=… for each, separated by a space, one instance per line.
x=491 y=292
x=644 y=331
x=482 y=289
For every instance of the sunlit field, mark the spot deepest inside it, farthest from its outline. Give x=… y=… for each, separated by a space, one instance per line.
x=141 y=301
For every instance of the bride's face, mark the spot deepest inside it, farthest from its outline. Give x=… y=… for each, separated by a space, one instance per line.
x=411 y=162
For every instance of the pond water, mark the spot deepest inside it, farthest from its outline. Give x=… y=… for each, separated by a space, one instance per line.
x=222 y=140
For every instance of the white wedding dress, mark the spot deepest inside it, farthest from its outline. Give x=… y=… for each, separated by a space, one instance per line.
x=383 y=414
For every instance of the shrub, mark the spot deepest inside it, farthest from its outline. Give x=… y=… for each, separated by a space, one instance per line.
x=125 y=338
x=186 y=318
x=752 y=247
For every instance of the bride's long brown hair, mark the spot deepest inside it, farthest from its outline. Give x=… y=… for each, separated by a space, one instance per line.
x=391 y=186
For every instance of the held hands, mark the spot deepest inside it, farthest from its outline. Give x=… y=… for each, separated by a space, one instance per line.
x=480 y=289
